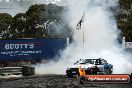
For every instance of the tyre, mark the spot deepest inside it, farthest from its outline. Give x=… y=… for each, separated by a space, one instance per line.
x=28 y=71
x=81 y=79
x=92 y=71
x=32 y=70
x=69 y=75
x=25 y=70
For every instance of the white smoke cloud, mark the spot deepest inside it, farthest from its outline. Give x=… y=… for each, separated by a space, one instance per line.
x=100 y=37
x=100 y=34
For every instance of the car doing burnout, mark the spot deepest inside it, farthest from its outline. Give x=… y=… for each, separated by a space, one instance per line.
x=90 y=66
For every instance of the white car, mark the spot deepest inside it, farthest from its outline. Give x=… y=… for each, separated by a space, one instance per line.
x=91 y=66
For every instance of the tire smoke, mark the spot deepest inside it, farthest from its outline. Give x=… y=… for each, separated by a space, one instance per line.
x=100 y=37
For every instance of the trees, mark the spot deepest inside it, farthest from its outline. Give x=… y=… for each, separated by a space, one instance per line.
x=125 y=4
x=47 y=21
x=34 y=26
x=40 y=21
x=18 y=26
x=124 y=18
x=53 y=22
x=5 y=25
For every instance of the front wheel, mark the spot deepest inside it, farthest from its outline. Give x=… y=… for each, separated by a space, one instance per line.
x=110 y=71
x=69 y=75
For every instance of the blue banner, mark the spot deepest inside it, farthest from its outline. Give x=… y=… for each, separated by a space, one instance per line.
x=27 y=49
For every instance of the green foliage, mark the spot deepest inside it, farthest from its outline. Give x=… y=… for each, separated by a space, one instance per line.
x=5 y=25
x=40 y=21
x=124 y=19
x=126 y=4
x=37 y=8
x=19 y=25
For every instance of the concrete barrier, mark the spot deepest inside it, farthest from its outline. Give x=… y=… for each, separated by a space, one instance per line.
x=24 y=70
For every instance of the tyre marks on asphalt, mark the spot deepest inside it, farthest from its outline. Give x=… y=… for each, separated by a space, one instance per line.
x=53 y=81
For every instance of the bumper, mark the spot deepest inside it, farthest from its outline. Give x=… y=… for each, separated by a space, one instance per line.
x=72 y=71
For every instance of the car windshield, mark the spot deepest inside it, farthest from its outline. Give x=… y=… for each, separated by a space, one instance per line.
x=85 y=61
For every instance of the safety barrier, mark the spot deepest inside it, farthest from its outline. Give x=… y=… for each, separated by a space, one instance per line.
x=24 y=70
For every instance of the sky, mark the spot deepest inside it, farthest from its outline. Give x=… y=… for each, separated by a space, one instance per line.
x=5 y=0
x=40 y=0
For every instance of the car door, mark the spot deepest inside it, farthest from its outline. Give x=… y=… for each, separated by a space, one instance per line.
x=100 y=64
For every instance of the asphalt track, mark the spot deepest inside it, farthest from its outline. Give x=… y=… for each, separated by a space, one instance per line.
x=53 y=81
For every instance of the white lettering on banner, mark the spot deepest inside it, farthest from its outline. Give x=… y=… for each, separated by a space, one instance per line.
x=7 y=46
x=19 y=46
x=18 y=53
x=113 y=79
x=31 y=46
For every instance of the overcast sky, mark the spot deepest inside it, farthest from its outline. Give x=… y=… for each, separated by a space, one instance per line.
x=40 y=0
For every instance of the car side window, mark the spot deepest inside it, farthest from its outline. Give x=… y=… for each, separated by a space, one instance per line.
x=103 y=61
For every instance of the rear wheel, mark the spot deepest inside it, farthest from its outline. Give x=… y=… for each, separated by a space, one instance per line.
x=94 y=70
x=69 y=75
